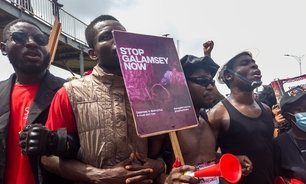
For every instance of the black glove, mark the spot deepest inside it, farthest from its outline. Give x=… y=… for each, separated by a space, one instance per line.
x=36 y=139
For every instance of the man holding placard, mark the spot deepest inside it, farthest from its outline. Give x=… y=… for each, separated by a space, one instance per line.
x=97 y=109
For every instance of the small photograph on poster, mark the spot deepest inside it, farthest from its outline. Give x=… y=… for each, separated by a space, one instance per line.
x=155 y=83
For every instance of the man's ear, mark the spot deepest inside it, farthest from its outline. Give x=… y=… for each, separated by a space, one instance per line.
x=92 y=54
x=3 y=48
x=228 y=76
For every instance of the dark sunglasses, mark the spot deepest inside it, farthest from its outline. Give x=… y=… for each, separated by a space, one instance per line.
x=203 y=81
x=22 y=38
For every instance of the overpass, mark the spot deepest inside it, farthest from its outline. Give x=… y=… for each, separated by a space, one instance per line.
x=71 y=53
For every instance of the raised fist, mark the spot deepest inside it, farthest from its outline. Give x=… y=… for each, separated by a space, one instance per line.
x=208 y=47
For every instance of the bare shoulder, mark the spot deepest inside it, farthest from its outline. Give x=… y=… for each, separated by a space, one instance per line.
x=217 y=113
x=218 y=119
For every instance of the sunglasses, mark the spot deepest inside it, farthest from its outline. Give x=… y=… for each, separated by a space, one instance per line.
x=203 y=81
x=22 y=38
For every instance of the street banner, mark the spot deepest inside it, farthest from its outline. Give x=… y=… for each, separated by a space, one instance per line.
x=155 y=83
x=280 y=86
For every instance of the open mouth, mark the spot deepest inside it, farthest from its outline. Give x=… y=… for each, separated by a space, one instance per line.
x=32 y=55
x=257 y=74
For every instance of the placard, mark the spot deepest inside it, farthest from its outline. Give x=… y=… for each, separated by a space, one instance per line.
x=155 y=83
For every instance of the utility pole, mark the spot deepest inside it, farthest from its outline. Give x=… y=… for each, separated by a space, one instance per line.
x=299 y=60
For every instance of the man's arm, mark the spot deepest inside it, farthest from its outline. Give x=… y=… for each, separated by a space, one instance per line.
x=59 y=136
x=122 y=172
x=214 y=116
x=77 y=171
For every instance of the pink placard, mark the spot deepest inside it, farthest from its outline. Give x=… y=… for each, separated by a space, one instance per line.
x=155 y=83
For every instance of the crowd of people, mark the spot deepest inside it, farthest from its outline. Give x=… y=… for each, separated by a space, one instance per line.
x=83 y=131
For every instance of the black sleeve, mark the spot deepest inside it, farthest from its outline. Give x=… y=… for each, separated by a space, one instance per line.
x=73 y=145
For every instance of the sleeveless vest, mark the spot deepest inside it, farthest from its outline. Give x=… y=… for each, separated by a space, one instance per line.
x=104 y=119
x=251 y=137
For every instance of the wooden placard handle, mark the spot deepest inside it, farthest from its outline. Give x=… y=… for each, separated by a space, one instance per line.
x=176 y=147
x=54 y=38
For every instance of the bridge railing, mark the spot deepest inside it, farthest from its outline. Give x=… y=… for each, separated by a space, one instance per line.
x=43 y=11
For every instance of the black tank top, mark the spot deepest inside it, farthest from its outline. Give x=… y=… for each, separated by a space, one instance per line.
x=251 y=137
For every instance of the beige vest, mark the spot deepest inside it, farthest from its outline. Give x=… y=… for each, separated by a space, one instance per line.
x=104 y=119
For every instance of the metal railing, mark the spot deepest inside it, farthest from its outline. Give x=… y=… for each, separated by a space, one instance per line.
x=43 y=11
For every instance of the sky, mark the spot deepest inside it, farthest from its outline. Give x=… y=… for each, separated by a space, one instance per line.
x=272 y=27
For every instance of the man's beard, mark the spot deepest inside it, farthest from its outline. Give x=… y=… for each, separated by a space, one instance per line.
x=207 y=105
x=28 y=69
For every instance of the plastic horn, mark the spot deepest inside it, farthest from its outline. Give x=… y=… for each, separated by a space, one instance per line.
x=229 y=168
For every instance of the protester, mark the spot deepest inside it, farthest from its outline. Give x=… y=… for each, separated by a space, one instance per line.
x=25 y=99
x=199 y=73
x=96 y=107
x=290 y=147
x=242 y=125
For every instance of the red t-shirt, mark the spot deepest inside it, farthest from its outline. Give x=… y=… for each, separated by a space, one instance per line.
x=18 y=168
x=61 y=114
